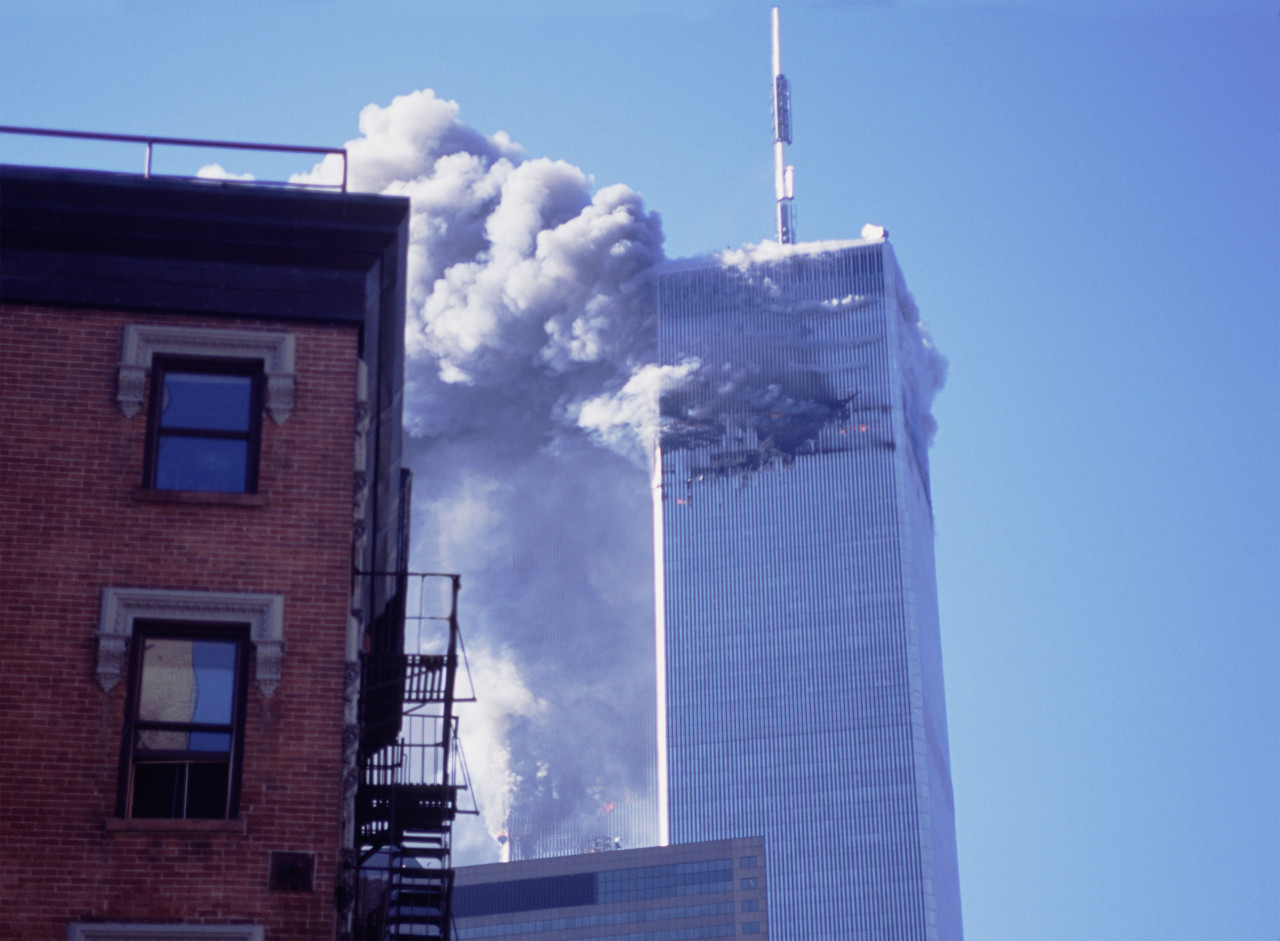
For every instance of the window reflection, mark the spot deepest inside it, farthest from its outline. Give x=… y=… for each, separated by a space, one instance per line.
x=205 y=427
x=183 y=726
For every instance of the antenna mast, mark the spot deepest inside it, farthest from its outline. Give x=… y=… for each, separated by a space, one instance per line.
x=783 y=175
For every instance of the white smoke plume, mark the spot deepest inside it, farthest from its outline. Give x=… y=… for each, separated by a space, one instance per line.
x=924 y=367
x=626 y=421
x=503 y=702
x=531 y=398
x=529 y=325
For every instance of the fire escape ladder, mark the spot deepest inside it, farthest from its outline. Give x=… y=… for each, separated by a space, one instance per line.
x=410 y=777
x=420 y=904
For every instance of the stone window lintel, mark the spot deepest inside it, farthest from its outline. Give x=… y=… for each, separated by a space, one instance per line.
x=122 y=606
x=141 y=343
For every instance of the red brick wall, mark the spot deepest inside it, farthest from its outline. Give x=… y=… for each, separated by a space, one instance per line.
x=70 y=464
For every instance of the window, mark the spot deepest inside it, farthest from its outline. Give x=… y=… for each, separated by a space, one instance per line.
x=751 y=905
x=184 y=721
x=205 y=425
x=751 y=927
x=751 y=883
x=747 y=862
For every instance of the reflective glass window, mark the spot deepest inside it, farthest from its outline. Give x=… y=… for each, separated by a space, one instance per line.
x=205 y=426
x=184 y=719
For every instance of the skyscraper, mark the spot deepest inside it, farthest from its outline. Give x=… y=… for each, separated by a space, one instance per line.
x=800 y=667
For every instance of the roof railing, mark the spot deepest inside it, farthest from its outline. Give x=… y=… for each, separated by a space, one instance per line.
x=151 y=141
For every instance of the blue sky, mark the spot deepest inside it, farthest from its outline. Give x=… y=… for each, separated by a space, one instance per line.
x=1085 y=198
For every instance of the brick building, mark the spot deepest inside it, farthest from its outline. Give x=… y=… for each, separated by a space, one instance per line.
x=202 y=391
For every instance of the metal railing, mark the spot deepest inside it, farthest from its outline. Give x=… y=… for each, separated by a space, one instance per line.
x=412 y=771
x=151 y=142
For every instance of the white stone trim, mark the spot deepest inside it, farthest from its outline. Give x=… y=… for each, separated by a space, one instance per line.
x=141 y=342
x=122 y=606
x=360 y=477
x=119 y=931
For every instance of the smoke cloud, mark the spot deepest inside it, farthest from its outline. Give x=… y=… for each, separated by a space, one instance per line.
x=531 y=411
x=530 y=344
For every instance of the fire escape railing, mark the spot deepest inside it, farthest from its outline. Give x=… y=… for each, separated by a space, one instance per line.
x=410 y=768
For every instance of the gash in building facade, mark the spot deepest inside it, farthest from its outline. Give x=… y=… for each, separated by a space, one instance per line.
x=800 y=666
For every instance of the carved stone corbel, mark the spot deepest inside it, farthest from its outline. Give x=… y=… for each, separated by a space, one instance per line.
x=279 y=396
x=268 y=665
x=131 y=385
x=112 y=652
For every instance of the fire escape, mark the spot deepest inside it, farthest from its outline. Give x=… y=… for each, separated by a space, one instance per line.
x=410 y=767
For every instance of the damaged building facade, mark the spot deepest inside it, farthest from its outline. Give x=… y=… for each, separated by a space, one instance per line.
x=799 y=658
x=204 y=544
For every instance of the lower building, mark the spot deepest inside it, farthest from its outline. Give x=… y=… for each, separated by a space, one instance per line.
x=662 y=893
x=203 y=538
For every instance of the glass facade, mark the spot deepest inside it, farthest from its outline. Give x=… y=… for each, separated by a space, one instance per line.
x=800 y=664
x=601 y=921
x=627 y=820
x=650 y=894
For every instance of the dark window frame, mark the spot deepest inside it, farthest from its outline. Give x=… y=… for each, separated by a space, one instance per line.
x=130 y=755
x=213 y=366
